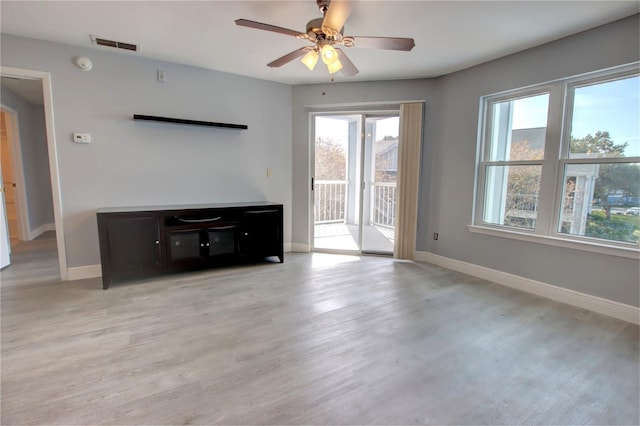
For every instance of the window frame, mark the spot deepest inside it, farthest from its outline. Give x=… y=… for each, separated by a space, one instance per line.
x=487 y=103
x=556 y=158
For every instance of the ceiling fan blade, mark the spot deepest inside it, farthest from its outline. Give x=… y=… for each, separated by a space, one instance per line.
x=268 y=27
x=335 y=17
x=348 y=68
x=389 y=43
x=289 y=57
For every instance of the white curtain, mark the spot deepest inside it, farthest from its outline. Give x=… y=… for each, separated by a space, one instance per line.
x=410 y=141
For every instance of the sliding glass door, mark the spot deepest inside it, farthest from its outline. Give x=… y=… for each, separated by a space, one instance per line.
x=381 y=170
x=354 y=182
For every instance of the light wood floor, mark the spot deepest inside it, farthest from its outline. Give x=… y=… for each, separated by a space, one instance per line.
x=320 y=339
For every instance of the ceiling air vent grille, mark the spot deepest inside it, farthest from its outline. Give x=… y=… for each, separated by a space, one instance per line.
x=115 y=44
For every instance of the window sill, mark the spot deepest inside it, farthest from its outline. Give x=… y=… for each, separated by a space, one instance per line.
x=594 y=247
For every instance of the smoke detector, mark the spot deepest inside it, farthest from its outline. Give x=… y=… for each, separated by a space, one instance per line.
x=83 y=63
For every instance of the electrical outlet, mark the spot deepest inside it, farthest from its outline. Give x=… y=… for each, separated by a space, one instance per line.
x=435 y=235
x=269 y=172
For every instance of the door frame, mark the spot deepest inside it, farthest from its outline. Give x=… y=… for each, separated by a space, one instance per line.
x=45 y=78
x=15 y=150
x=363 y=114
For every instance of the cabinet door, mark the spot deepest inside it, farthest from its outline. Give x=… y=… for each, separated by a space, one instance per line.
x=221 y=241
x=185 y=246
x=262 y=233
x=134 y=244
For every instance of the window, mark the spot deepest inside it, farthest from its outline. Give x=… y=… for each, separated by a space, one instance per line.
x=516 y=142
x=562 y=160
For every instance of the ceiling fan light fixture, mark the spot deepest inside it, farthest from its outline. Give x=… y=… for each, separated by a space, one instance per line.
x=335 y=66
x=310 y=59
x=329 y=54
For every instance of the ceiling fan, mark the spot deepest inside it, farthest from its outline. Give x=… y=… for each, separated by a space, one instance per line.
x=325 y=33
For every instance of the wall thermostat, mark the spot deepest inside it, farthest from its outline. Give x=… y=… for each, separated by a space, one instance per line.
x=83 y=63
x=82 y=137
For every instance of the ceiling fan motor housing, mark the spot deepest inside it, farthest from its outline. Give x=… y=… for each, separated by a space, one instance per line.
x=315 y=32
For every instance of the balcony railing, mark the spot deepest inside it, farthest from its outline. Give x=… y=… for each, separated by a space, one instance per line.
x=522 y=202
x=330 y=200
x=529 y=203
x=384 y=204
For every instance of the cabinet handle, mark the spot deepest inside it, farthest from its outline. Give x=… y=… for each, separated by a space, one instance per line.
x=260 y=211
x=207 y=244
x=201 y=245
x=157 y=242
x=208 y=219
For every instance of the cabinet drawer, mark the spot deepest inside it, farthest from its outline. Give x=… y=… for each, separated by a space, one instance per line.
x=202 y=219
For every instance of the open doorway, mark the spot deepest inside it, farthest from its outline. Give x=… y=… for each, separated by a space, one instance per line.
x=26 y=117
x=354 y=182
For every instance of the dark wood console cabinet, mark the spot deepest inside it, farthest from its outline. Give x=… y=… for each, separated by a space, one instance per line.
x=139 y=242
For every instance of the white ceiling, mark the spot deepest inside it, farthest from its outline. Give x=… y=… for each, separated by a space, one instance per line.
x=449 y=35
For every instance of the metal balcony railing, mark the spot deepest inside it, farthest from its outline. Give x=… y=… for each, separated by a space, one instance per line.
x=384 y=204
x=330 y=200
x=522 y=202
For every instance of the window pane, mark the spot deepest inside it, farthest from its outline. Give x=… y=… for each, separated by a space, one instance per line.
x=606 y=120
x=602 y=201
x=519 y=129
x=511 y=195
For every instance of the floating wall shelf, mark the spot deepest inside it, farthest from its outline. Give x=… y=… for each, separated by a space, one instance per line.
x=189 y=122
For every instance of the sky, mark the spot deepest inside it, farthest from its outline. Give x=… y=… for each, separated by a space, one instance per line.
x=613 y=106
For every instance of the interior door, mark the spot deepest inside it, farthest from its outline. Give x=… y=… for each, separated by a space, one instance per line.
x=5 y=250
x=11 y=210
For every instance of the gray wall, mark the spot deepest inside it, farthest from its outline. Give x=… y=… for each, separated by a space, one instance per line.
x=452 y=167
x=449 y=154
x=137 y=163
x=35 y=158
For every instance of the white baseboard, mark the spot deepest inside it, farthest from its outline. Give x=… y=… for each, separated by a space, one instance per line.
x=300 y=248
x=570 y=297
x=286 y=247
x=84 y=272
x=35 y=233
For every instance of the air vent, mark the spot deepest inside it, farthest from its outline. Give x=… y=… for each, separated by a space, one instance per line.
x=115 y=44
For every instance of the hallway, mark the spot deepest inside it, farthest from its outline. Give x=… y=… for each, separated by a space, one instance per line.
x=33 y=263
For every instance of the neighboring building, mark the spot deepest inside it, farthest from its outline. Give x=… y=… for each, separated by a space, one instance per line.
x=386 y=153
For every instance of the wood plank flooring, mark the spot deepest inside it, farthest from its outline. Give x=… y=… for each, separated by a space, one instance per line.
x=319 y=339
